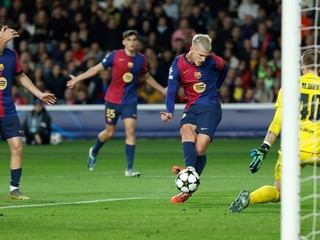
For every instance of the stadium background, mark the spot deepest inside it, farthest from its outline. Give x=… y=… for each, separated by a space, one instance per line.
x=58 y=38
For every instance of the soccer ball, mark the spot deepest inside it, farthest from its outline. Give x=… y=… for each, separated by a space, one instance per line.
x=55 y=138
x=187 y=181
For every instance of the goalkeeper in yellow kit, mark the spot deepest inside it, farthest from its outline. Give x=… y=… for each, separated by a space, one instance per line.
x=309 y=135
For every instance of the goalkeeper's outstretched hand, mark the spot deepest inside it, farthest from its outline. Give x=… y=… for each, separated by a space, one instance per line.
x=258 y=157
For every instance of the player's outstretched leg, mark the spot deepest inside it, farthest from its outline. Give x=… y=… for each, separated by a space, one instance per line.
x=177 y=169
x=91 y=160
x=15 y=194
x=241 y=202
x=180 y=198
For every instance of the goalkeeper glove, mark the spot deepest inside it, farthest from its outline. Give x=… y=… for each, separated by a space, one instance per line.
x=258 y=157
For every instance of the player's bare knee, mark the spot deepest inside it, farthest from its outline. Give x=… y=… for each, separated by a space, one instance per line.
x=200 y=151
x=17 y=150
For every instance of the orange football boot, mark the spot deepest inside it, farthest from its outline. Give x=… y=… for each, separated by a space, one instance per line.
x=177 y=169
x=180 y=198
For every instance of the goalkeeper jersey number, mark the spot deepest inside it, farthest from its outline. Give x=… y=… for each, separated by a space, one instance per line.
x=309 y=113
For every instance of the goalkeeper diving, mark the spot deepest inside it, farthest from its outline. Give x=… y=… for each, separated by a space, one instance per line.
x=309 y=135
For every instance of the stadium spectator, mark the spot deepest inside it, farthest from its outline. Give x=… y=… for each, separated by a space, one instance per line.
x=68 y=96
x=237 y=90
x=171 y=9
x=202 y=113
x=37 y=125
x=184 y=32
x=248 y=7
x=197 y=19
x=56 y=83
x=17 y=99
x=11 y=129
x=261 y=94
x=309 y=149
x=249 y=96
x=126 y=65
x=147 y=94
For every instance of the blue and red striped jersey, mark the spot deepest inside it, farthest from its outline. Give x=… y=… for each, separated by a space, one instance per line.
x=201 y=83
x=9 y=67
x=125 y=71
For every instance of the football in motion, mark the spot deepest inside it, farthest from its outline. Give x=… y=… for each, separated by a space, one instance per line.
x=187 y=181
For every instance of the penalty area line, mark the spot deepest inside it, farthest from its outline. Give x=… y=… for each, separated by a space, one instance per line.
x=74 y=203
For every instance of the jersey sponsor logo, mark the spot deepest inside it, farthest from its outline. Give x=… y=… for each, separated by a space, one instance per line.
x=1 y=67
x=3 y=83
x=121 y=59
x=199 y=87
x=197 y=75
x=127 y=77
x=130 y=64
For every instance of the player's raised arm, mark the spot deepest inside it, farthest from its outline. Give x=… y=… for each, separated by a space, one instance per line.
x=87 y=74
x=6 y=35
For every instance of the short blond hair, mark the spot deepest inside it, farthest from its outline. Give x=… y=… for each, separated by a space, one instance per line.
x=311 y=58
x=202 y=40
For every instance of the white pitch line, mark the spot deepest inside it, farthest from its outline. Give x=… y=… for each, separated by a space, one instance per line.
x=73 y=203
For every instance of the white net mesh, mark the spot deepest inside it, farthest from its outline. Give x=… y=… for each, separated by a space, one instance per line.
x=309 y=209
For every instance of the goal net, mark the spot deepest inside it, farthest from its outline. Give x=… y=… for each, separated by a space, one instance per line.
x=299 y=209
x=309 y=209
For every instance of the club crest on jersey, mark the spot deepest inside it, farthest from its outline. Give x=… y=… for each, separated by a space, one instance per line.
x=3 y=83
x=199 y=87
x=1 y=67
x=197 y=75
x=127 y=77
x=130 y=64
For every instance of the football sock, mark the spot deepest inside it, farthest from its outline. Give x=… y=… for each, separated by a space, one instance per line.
x=130 y=149
x=97 y=147
x=15 y=177
x=189 y=154
x=264 y=194
x=201 y=163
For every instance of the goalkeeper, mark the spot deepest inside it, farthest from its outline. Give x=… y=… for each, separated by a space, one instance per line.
x=309 y=130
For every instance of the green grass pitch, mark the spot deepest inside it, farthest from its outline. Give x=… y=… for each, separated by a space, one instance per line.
x=69 y=202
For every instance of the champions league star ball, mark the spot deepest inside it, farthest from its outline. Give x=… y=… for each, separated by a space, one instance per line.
x=55 y=138
x=187 y=181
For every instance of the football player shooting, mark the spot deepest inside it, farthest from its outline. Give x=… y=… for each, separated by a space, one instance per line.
x=121 y=98
x=201 y=74
x=309 y=149
x=10 y=126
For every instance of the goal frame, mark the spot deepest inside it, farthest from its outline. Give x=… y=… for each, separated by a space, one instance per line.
x=290 y=171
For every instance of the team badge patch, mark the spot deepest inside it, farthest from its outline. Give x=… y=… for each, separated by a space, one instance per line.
x=3 y=83
x=197 y=75
x=127 y=77
x=1 y=67
x=199 y=87
x=130 y=64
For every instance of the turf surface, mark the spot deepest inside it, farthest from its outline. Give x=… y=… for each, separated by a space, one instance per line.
x=69 y=202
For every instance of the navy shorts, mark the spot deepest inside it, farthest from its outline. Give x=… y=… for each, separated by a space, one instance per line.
x=10 y=127
x=205 y=118
x=113 y=111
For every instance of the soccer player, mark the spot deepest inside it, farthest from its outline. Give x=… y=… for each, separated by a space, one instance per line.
x=201 y=74
x=127 y=65
x=10 y=126
x=309 y=130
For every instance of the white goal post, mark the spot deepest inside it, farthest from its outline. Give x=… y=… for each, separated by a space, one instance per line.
x=290 y=181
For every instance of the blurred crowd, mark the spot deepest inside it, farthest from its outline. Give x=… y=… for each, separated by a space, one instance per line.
x=63 y=37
